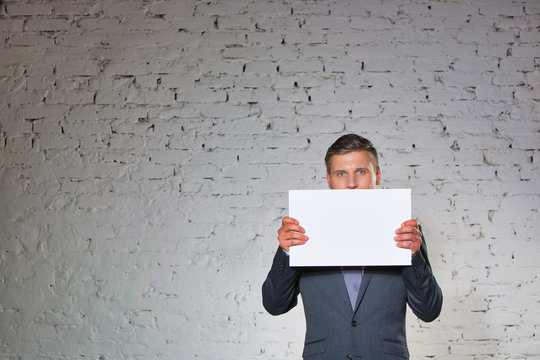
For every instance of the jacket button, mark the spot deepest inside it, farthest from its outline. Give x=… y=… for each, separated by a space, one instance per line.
x=354 y=323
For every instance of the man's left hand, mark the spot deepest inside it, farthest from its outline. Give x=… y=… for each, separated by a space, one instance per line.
x=409 y=236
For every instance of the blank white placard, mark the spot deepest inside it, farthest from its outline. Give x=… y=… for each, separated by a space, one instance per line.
x=350 y=227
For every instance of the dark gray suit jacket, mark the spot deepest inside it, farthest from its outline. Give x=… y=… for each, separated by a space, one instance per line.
x=375 y=329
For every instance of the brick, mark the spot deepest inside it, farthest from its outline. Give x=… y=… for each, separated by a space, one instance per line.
x=526 y=51
x=260 y=67
x=18 y=143
x=163 y=97
x=484 y=348
x=48 y=25
x=86 y=127
x=164 y=8
x=527 y=93
x=95 y=23
x=506 y=9
x=241 y=126
x=126 y=141
x=475 y=64
x=11 y=25
x=524 y=110
x=493 y=93
x=533 y=78
x=528 y=349
x=516 y=64
x=509 y=79
x=71 y=97
x=253 y=95
x=321 y=109
x=292 y=96
x=244 y=172
x=226 y=157
x=529 y=36
x=78 y=68
x=301 y=66
x=156 y=23
x=200 y=95
x=30 y=40
x=28 y=9
x=385 y=64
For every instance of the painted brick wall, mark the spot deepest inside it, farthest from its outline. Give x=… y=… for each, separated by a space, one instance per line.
x=146 y=150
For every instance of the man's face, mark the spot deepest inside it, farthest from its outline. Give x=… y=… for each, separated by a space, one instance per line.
x=354 y=170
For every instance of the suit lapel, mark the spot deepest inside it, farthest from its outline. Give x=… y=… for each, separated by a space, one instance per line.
x=366 y=278
x=342 y=293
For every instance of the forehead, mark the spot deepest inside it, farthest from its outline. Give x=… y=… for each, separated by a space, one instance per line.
x=353 y=159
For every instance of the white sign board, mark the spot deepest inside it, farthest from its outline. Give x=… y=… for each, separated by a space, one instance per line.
x=350 y=227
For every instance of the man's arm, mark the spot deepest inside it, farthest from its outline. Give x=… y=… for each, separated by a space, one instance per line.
x=280 y=289
x=423 y=293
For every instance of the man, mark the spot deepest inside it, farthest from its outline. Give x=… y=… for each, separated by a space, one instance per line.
x=353 y=313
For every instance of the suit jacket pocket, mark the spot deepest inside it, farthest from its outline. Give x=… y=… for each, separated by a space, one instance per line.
x=314 y=348
x=398 y=350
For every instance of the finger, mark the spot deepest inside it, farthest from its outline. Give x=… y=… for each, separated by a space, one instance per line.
x=288 y=243
x=411 y=222
x=289 y=220
x=287 y=228
x=408 y=229
x=408 y=237
x=292 y=235
x=407 y=245
x=413 y=246
x=294 y=242
x=403 y=244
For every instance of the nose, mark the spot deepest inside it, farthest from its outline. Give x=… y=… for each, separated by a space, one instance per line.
x=351 y=182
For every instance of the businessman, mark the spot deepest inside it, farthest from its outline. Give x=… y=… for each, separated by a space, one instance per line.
x=353 y=312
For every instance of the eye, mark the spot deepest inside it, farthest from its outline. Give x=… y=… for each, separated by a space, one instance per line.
x=340 y=173
x=361 y=171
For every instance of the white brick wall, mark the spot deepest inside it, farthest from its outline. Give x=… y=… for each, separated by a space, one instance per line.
x=146 y=148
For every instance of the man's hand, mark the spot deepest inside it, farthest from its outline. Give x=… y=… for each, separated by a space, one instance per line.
x=409 y=236
x=291 y=233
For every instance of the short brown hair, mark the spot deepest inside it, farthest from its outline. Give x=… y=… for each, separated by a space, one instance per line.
x=348 y=143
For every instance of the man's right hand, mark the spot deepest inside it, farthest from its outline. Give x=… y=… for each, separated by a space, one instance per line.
x=291 y=233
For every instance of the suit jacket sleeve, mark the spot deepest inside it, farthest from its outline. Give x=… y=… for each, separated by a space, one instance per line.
x=280 y=289
x=423 y=293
